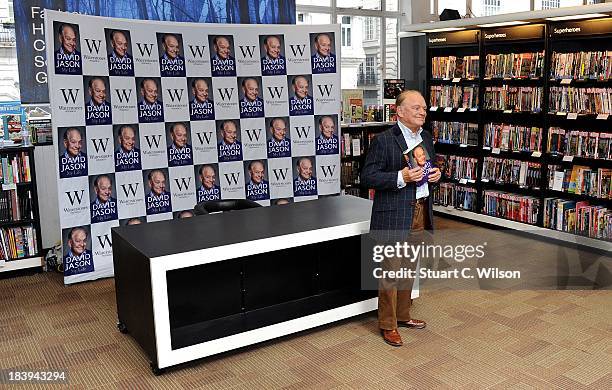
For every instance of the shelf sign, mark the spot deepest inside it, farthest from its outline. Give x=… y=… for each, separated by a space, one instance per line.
x=532 y=31
x=448 y=109
x=462 y=109
x=453 y=38
x=568 y=30
x=507 y=111
x=572 y=115
x=463 y=145
x=433 y=108
x=568 y=158
x=484 y=180
x=456 y=79
x=496 y=151
x=603 y=116
x=560 y=113
x=463 y=181
x=565 y=81
x=10 y=186
x=536 y=154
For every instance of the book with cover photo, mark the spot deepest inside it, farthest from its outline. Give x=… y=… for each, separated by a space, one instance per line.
x=418 y=157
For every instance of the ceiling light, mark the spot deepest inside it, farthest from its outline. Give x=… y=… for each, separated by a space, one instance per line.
x=513 y=23
x=573 y=17
x=443 y=29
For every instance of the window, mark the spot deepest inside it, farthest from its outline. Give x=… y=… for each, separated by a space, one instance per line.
x=491 y=7
x=548 y=4
x=370 y=28
x=300 y=18
x=496 y=7
x=346 y=31
x=359 y=4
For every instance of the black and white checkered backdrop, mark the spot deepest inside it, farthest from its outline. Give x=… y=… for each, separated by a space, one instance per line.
x=152 y=117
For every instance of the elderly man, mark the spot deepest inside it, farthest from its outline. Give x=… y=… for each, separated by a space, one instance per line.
x=209 y=190
x=402 y=206
x=120 y=61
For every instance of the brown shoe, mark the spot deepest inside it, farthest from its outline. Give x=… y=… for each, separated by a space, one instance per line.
x=392 y=337
x=416 y=324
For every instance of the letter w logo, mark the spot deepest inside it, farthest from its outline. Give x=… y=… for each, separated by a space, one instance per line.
x=253 y=133
x=131 y=189
x=232 y=178
x=303 y=133
x=153 y=140
x=75 y=196
x=298 y=48
x=325 y=87
x=205 y=137
x=145 y=47
x=100 y=144
x=123 y=95
x=105 y=241
x=70 y=95
x=199 y=50
x=185 y=182
x=247 y=50
x=276 y=91
x=328 y=170
x=93 y=43
x=228 y=93
x=176 y=96
x=278 y=173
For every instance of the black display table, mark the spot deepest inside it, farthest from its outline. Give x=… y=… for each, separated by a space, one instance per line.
x=199 y=286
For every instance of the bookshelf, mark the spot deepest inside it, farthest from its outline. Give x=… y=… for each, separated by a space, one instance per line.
x=356 y=139
x=543 y=118
x=20 y=242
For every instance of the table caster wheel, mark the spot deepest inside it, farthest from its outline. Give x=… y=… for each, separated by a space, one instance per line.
x=122 y=328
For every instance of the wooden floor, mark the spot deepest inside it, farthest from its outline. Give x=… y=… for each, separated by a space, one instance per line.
x=475 y=339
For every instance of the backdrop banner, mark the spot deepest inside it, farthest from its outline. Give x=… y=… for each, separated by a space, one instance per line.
x=152 y=117
x=29 y=16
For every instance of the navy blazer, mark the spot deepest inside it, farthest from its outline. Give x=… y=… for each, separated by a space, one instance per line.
x=393 y=208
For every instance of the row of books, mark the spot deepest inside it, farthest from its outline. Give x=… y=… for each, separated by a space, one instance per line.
x=457 y=196
x=16 y=169
x=579 y=143
x=453 y=67
x=513 y=138
x=457 y=167
x=510 y=171
x=18 y=242
x=16 y=205
x=581 y=180
x=455 y=96
x=349 y=174
x=578 y=218
x=513 y=98
x=511 y=206
x=352 y=144
x=515 y=65
x=580 y=65
x=455 y=132
x=580 y=100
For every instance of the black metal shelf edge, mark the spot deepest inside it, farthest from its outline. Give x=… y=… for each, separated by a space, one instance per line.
x=17 y=223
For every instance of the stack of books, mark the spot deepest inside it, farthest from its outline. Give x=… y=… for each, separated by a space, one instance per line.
x=578 y=218
x=18 y=242
x=581 y=180
x=511 y=206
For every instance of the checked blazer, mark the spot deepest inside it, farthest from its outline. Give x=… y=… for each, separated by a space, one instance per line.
x=393 y=207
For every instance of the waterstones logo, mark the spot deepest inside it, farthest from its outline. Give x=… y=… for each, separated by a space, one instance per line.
x=232 y=178
x=104 y=242
x=70 y=94
x=205 y=138
x=295 y=49
x=145 y=48
x=75 y=197
x=328 y=170
x=226 y=93
x=247 y=51
x=275 y=91
x=93 y=44
x=253 y=134
x=100 y=144
x=130 y=189
x=197 y=51
x=176 y=94
x=280 y=174
x=183 y=184
x=325 y=89
x=123 y=95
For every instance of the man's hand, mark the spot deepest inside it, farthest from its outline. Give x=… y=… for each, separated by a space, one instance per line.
x=410 y=175
x=434 y=175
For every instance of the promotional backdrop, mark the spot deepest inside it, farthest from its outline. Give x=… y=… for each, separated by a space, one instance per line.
x=29 y=15
x=152 y=117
